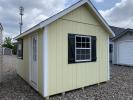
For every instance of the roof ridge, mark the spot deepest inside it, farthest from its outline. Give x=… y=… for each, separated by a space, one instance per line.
x=64 y=12
x=118 y=27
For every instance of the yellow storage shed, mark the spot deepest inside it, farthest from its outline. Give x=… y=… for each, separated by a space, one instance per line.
x=67 y=51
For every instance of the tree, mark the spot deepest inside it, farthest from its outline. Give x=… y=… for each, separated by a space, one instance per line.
x=8 y=43
x=14 y=50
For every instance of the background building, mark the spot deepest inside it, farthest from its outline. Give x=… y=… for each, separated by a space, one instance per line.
x=121 y=46
x=1 y=37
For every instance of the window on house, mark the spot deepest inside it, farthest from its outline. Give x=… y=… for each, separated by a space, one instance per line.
x=82 y=48
x=111 y=48
x=20 y=49
x=34 y=48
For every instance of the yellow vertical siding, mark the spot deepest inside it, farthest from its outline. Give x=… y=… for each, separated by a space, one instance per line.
x=63 y=76
x=81 y=15
x=40 y=61
x=24 y=65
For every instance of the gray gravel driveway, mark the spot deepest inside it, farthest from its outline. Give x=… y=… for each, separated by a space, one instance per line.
x=120 y=87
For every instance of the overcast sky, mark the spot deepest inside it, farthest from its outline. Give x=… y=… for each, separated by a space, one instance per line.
x=116 y=12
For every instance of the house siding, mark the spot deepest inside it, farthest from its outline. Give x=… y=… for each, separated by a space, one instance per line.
x=23 y=65
x=127 y=36
x=40 y=61
x=63 y=76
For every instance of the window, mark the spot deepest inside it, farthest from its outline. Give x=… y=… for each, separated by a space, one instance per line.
x=82 y=48
x=34 y=48
x=20 y=49
x=111 y=48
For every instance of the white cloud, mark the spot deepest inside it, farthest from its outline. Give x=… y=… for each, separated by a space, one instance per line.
x=38 y=19
x=35 y=11
x=99 y=1
x=120 y=15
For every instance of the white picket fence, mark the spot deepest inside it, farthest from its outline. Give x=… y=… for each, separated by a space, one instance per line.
x=6 y=51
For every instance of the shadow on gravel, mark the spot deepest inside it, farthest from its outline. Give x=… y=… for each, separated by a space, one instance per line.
x=17 y=89
x=13 y=86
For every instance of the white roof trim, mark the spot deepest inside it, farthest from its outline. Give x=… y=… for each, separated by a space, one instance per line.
x=101 y=18
x=64 y=12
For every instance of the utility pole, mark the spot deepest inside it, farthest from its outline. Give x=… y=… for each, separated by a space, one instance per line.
x=21 y=9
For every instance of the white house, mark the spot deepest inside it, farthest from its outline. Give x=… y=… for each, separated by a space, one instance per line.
x=121 y=46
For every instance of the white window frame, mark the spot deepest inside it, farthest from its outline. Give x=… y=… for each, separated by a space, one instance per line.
x=20 y=48
x=82 y=48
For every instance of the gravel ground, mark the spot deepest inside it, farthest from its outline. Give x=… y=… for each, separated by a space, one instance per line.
x=120 y=87
x=9 y=67
x=13 y=87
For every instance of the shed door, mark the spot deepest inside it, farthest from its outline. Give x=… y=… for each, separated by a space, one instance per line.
x=126 y=53
x=34 y=60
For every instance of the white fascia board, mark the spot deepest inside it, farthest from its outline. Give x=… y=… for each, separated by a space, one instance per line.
x=64 y=12
x=52 y=19
x=100 y=17
x=28 y=31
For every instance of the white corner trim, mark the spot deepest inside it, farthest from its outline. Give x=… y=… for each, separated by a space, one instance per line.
x=45 y=62
x=29 y=59
x=37 y=60
x=108 y=57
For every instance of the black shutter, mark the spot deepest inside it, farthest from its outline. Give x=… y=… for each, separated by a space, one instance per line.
x=93 y=49
x=71 y=48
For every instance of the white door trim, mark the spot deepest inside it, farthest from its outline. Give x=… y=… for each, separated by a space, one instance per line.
x=29 y=58
x=45 y=62
x=108 y=58
x=30 y=61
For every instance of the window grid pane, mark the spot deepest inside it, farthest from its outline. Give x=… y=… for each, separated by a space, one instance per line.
x=83 y=48
x=83 y=54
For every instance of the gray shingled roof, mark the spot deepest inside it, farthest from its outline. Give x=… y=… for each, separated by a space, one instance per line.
x=117 y=30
